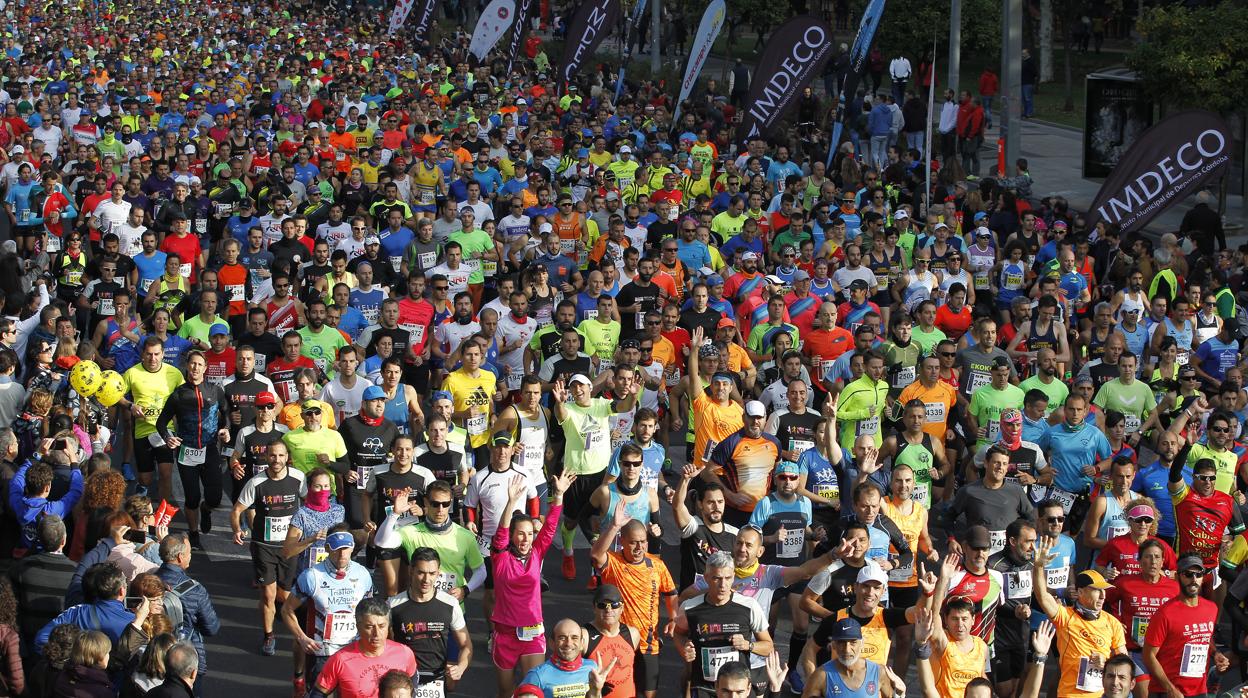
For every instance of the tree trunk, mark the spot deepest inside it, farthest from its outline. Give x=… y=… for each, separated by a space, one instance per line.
x=1045 y=40
x=1068 y=32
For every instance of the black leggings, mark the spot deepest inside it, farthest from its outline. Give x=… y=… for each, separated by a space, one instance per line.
x=209 y=474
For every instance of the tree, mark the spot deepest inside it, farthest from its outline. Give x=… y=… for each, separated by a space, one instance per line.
x=1193 y=57
x=907 y=27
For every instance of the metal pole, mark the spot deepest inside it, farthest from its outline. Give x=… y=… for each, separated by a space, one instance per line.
x=656 y=25
x=1011 y=74
x=927 y=147
x=955 y=44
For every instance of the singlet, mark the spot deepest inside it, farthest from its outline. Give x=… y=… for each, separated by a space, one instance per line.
x=396 y=409
x=530 y=456
x=638 y=509
x=955 y=669
x=918 y=289
x=835 y=686
x=921 y=459
x=282 y=318
x=1011 y=280
x=1046 y=340
x=1137 y=340
x=602 y=648
x=1114 y=522
x=910 y=525
x=1184 y=339
x=1096 y=346
x=1205 y=329
x=334 y=596
x=425 y=181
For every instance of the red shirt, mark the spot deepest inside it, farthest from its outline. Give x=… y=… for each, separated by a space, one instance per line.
x=680 y=340
x=953 y=324
x=417 y=318
x=1133 y=600
x=282 y=373
x=824 y=346
x=220 y=366
x=187 y=248
x=1202 y=521
x=1182 y=635
x=352 y=674
x=1122 y=552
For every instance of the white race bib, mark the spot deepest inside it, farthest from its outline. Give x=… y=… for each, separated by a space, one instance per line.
x=433 y=689
x=935 y=412
x=710 y=447
x=1057 y=577
x=145 y=284
x=529 y=633
x=396 y=263
x=870 y=426
x=800 y=446
x=185 y=270
x=513 y=379
x=979 y=379
x=1018 y=585
x=54 y=243
x=826 y=369
x=1183 y=358
x=447 y=581
x=427 y=260
x=275 y=528
x=902 y=573
x=1066 y=498
x=905 y=376
x=715 y=657
x=191 y=456
x=1132 y=423
x=235 y=292
x=790 y=547
x=996 y=539
x=1090 y=678
x=363 y=474
x=1195 y=658
x=340 y=627
x=475 y=424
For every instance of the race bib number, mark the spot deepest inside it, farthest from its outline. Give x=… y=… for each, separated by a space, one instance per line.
x=594 y=437
x=105 y=307
x=641 y=321
x=447 y=581
x=340 y=627
x=832 y=493
x=1139 y=627
x=483 y=545
x=993 y=431
x=790 y=547
x=713 y=658
x=1183 y=358
x=201 y=226
x=996 y=539
x=1090 y=677
x=530 y=633
x=800 y=446
x=235 y=293
x=1057 y=577
x=981 y=281
x=567 y=246
x=921 y=495
x=935 y=412
x=363 y=475
x=826 y=369
x=1066 y=498
x=905 y=376
x=275 y=528
x=185 y=270
x=1132 y=423
x=1018 y=585
x=191 y=456
x=978 y=380
x=881 y=281
x=475 y=424
x=901 y=573
x=869 y=426
x=432 y=689
x=489 y=267
x=1195 y=657
x=54 y=243
x=396 y=263
x=710 y=447
x=145 y=284
x=1115 y=531
x=427 y=260
x=513 y=380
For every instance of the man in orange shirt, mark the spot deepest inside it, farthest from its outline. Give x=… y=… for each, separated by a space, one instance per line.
x=824 y=344
x=570 y=226
x=344 y=146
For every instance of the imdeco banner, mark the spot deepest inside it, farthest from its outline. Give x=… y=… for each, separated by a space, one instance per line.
x=795 y=54
x=857 y=66
x=1168 y=162
x=592 y=23
x=518 y=29
x=424 y=18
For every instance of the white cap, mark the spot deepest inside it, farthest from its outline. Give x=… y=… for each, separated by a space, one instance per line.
x=774 y=280
x=625 y=149
x=754 y=408
x=579 y=378
x=872 y=572
x=746 y=256
x=545 y=228
x=901 y=215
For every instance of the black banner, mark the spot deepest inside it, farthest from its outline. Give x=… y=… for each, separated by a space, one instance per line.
x=1116 y=112
x=1167 y=163
x=795 y=54
x=424 y=17
x=593 y=22
x=518 y=29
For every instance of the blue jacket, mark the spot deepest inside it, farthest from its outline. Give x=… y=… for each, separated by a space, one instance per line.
x=109 y=617
x=199 y=618
x=28 y=510
x=880 y=120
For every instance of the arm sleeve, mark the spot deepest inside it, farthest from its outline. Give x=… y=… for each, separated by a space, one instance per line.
x=388 y=535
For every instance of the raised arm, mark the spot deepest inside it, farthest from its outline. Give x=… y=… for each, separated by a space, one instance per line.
x=1039 y=585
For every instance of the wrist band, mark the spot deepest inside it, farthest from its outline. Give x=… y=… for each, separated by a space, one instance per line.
x=923 y=651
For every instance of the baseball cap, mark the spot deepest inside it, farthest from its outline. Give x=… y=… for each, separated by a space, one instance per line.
x=625 y=149
x=607 y=593
x=501 y=438
x=374 y=392
x=846 y=629
x=788 y=468
x=979 y=216
x=372 y=240
x=982 y=232
x=901 y=215
x=310 y=404
x=977 y=538
x=725 y=322
x=218 y=328
x=800 y=275
x=579 y=378
x=754 y=408
x=774 y=280
x=872 y=572
x=442 y=395
x=1187 y=562
x=746 y=256
x=339 y=541
x=265 y=397
x=1092 y=578
x=1141 y=510
x=582 y=153
x=858 y=285
x=340 y=122
x=613 y=196
x=714 y=280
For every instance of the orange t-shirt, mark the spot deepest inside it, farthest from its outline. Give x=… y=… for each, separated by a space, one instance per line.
x=233 y=282
x=824 y=346
x=641 y=586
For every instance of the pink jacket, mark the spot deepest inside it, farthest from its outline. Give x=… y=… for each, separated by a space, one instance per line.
x=517 y=583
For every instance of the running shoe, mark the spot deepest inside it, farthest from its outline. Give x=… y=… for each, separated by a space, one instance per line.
x=569 y=567
x=269 y=647
x=205 y=521
x=300 y=688
x=127 y=471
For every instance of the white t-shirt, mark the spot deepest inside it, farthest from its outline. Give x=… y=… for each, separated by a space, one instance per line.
x=513 y=227
x=458 y=278
x=487 y=491
x=131 y=239
x=112 y=216
x=510 y=331
x=345 y=401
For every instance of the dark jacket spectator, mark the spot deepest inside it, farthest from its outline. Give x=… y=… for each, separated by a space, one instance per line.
x=180 y=673
x=12 y=677
x=199 y=618
x=40 y=580
x=85 y=676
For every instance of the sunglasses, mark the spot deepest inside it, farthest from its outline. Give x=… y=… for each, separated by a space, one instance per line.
x=1205 y=478
x=1193 y=574
x=1055 y=519
x=653 y=322
x=446 y=504
x=604 y=605
x=948 y=354
x=1148 y=520
x=314 y=411
x=786 y=478
x=630 y=464
x=922 y=261
x=266 y=407
x=441 y=288
x=1221 y=430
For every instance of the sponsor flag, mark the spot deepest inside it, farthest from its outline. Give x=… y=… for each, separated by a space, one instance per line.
x=1175 y=158
x=857 y=66
x=424 y=17
x=591 y=24
x=494 y=22
x=399 y=16
x=518 y=29
x=795 y=54
x=708 y=31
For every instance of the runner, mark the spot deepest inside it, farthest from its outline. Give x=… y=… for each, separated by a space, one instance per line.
x=425 y=619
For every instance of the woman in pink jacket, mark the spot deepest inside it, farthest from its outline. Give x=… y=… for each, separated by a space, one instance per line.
x=518 y=642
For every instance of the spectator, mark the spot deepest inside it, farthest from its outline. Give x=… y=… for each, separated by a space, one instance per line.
x=199 y=618
x=12 y=678
x=85 y=675
x=104 y=609
x=29 y=495
x=54 y=660
x=103 y=493
x=40 y=580
x=119 y=524
x=181 y=672
x=150 y=671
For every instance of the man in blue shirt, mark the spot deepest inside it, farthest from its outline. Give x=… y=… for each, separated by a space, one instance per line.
x=1215 y=355
x=879 y=126
x=107 y=613
x=692 y=251
x=782 y=167
x=1151 y=481
x=1075 y=449
x=567 y=670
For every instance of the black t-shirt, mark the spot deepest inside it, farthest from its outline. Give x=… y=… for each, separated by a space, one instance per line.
x=840 y=591
x=632 y=293
x=700 y=545
x=659 y=231
x=424 y=627
x=274 y=501
x=389 y=484
x=252 y=448
x=267 y=346
x=241 y=394
x=707 y=319
x=444 y=466
x=368 y=448
x=796 y=432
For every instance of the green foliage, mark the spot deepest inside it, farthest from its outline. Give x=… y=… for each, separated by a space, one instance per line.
x=908 y=26
x=1194 y=57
